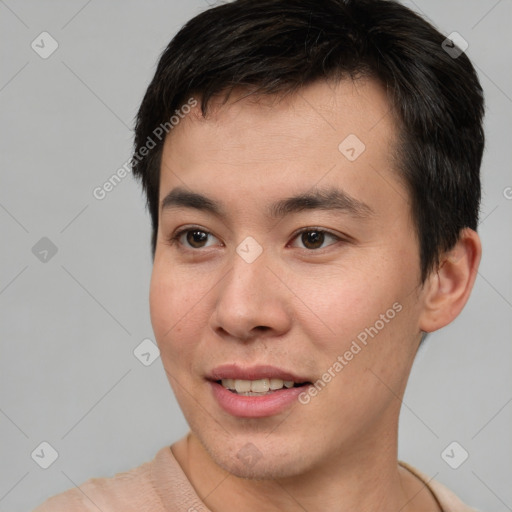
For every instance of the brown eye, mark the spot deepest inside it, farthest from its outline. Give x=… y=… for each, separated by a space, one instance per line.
x=312 y=239
x=196 y=238
x=193 y=238
x=315 y=239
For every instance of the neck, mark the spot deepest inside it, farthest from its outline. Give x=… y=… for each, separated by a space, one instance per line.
x=365 y=479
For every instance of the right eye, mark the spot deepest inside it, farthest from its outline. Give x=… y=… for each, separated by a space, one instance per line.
x=192 y=238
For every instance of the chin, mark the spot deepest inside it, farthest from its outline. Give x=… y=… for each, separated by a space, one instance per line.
x=255 y=457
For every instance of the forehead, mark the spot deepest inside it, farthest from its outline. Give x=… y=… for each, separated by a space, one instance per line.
x=322 y=112
x=324 y=132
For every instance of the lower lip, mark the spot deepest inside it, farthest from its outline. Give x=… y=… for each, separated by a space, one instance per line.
x=255 y=406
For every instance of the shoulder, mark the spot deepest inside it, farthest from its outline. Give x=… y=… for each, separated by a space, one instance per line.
x=126 y=491
x=448 y=501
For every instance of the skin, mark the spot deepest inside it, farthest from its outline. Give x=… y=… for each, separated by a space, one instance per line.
x=297 y=307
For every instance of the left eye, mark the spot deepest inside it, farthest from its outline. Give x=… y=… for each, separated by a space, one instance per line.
x=315 y=238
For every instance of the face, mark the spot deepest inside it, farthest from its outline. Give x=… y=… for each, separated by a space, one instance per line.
x=255 y=282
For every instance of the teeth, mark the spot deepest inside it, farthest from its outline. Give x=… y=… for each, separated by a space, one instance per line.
x=276 y=383
x=256 y=386
x=242 y=386
x=228 y=383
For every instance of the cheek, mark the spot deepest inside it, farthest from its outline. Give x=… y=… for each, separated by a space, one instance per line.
x=343 y=303
x=173 y=298
x=367 y=303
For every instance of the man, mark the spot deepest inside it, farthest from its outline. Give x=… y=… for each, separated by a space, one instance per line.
x=312 y=173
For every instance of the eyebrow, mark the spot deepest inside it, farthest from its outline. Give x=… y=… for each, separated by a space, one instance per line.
x=329 y=198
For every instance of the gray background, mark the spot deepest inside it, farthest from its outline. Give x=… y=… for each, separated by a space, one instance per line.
x=68 y=374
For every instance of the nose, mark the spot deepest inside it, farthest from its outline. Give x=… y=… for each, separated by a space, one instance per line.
x=251 y=302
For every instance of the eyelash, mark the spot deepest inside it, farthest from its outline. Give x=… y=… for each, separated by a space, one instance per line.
x=174 y=238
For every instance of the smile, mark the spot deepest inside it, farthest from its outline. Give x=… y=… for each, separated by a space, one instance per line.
x=259 y=387
x=256 y=391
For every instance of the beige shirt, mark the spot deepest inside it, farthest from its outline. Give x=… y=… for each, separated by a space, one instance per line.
x=161 y=486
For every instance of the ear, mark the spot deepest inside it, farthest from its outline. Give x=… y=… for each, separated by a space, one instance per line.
x=447 y=289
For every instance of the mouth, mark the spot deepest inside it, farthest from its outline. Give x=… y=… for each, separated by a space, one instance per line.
x=255 y=392
x=259 y=387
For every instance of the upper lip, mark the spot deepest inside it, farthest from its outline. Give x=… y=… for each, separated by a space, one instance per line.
x=235 y=371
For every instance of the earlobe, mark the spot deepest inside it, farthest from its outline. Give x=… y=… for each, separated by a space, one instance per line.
x=447 y=290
